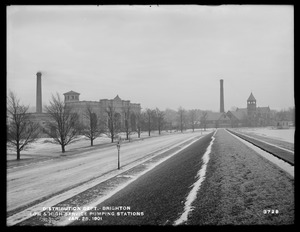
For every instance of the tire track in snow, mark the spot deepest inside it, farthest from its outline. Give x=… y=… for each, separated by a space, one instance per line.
x=196 y=186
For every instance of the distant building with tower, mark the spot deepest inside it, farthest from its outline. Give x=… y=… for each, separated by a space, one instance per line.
x=251 y=116
x=71 y=99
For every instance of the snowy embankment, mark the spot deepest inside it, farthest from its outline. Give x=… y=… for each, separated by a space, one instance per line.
x=242 y=188
x=286 y=135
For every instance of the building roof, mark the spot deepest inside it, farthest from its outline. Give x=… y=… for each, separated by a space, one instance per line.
x=263 y=109
x=214 y=115
x=242 y=110
x=71 y=93
x=251 y=98
x=239 y=114
x=117 y=98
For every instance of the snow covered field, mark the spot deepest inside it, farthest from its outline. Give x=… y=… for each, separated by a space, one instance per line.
x=286 y=135
x=29 y=183
x=42 y=148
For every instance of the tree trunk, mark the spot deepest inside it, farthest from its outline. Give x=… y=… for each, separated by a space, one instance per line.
x=18 y=154
x=63 y=148
x=92 y=142
x=112 y=139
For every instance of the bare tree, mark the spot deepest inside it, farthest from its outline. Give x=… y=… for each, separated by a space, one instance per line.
x=113 y=123
x=159 y=115
x=204 y=120
x=21 y=131
x=127 y=114
x=149 y=120
x=283 y=115
x=170 y=118
x=93 y=128
x=63 y=126
x=182 y=118
x=292 y=115
x=139 y=123
x=192 y=118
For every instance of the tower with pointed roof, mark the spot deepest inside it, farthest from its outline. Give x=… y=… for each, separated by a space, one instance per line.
x=251 y=104
x=251 y=109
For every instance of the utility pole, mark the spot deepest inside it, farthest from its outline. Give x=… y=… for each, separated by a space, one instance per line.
x=119 y=147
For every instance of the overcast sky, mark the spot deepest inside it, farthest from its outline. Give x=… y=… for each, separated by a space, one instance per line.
x=158 y=56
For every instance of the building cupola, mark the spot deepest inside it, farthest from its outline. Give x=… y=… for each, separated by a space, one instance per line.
x=71 y=96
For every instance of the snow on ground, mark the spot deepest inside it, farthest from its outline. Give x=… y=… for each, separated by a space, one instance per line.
x=279 y=162
x=43 y=148
x=29 y=183
x=280 y=134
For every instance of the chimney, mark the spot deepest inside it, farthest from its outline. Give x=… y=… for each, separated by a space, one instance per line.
x=221 y=97
x=39 y=92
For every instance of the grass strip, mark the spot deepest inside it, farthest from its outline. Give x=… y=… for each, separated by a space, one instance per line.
x=240 y=185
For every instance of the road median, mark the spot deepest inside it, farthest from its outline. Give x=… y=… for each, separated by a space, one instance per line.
x=242 y=188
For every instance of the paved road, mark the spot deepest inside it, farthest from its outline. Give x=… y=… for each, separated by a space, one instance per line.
x=26 y=185
x=158 y=196
x=239 y=186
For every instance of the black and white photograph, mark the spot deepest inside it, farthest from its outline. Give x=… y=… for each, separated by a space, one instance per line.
x=150 y=115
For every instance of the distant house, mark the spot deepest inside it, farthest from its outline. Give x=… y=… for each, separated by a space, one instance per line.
x=284 y=120
x=283 y=124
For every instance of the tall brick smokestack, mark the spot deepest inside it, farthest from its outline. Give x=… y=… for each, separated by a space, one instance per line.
x=221 y=97
x=39 y=92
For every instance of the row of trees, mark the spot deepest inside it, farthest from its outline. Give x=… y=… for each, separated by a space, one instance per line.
x=286 y=115
x=64 y=124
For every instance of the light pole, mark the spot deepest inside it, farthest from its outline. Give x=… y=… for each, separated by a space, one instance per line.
x=118 y=147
